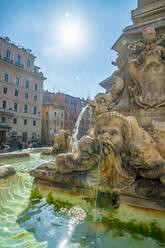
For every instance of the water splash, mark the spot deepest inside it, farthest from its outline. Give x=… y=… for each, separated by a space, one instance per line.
x=75 y=131
x=98 y=180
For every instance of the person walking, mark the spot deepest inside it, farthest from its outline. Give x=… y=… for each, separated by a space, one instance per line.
x=20 y=146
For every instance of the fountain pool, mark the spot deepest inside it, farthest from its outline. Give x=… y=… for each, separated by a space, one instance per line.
x=42 y=216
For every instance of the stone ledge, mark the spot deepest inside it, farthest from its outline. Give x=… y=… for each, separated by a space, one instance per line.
x=6 y=170
x=11 y=155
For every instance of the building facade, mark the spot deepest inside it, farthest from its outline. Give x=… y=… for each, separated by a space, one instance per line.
x=72 y=107
x=52 y=121
x=21 y=91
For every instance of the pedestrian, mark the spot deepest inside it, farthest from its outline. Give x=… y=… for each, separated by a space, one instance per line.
x=30 y=145
x=4 y=148
x=20 y=146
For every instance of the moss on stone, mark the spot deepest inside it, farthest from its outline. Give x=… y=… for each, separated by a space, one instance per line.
x=35 y=194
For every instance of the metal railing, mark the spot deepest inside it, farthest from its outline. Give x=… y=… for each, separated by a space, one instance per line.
x=7 y=111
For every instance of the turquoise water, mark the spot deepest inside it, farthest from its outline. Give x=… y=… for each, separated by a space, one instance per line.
x=51 y=223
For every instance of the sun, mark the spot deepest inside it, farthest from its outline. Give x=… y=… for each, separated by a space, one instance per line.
x=71 y=35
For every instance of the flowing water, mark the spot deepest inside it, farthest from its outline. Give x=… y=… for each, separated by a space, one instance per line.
x=44 y=222
x=76 y=129
x=14 y=197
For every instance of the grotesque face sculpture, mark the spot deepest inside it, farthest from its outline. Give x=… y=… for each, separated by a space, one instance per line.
x=149 y=34
x=111 y=130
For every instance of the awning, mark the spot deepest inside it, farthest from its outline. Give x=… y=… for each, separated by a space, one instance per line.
x=5 y=127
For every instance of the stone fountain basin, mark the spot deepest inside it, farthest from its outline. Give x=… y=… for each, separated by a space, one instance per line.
x=86 y=199
x=148 y=194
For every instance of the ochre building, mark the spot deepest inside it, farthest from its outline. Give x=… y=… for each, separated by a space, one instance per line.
x=72 y=107
x=52 y=121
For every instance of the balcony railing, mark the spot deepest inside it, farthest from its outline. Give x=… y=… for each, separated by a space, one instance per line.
x=19 y=65
x=7 y=111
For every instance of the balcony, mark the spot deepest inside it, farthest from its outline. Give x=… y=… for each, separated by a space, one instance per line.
x=6 y=59
x=39 y=73
x=8 y=112
x=11 y=62
x=21 y=66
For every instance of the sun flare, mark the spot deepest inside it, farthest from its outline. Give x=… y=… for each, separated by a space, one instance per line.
x=71 y=35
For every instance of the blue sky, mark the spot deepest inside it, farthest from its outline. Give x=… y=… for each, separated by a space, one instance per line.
x=76 y=70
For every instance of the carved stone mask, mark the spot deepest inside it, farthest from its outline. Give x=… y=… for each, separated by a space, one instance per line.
x=110 y=132
x=149 y=34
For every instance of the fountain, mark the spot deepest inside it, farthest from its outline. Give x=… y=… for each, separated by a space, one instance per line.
x=63 y=141
x=76 y=129
x=111 y=192
x=129 y=123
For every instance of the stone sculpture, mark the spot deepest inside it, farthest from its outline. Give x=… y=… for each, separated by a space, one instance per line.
x=128 y=151
x=63 y=169
x=128 y=143
x=61 y=142
x=86 y=158
x=105 y=102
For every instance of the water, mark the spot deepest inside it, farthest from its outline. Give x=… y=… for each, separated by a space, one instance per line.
x=76 y=129
x=45 y=222
x=14 y=198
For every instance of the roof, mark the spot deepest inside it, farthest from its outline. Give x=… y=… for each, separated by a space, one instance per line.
x=21 y=48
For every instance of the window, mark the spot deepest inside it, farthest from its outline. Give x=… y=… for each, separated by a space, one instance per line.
x=26 y=96
x=18 y=59
x=27 y=85
x=35 y=110
x=28 y=63
x=46 y=122
x=16 y=92
x=8 y=55
x=66 y=99
x=54 y=130
x=6 y=77
x=46 y=113
x=35 y=87
x=61 y=115
x=25 y=122
x=25 y=108
x=14 y=121
x=5 y=90
x=54 y=113
x=3 y=119
x=61 y=123
x=4 y=104
x=15 y=106
x=17 y=81
x=35 y=98
x=34 y=123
